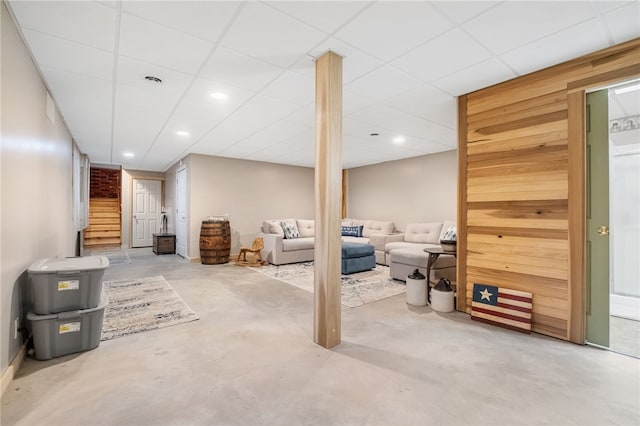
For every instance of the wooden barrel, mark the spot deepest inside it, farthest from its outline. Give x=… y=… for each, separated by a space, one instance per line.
x=215 y=242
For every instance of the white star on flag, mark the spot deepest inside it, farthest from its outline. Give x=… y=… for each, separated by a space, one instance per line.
x=485 y=294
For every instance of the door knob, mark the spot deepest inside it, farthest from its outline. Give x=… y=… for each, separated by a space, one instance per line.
x=603 y=230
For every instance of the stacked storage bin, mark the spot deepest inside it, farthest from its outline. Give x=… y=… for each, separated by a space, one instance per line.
x=68 y=304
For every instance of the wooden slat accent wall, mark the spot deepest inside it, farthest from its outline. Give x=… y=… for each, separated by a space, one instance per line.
x=522 y=186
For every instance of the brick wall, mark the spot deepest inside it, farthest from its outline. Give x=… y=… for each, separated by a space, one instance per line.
x=104 y=183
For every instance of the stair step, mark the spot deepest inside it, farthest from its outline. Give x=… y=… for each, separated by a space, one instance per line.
x=104 y=229
x=101 y=241
x=101 y=247
x=105 y=209
x=107 y=227
x=104 y=221
x=101 y=234
x=104 y=214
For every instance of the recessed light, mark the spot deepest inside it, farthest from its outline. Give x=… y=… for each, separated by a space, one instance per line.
x=398 y=140
x=152 y=79
x=219 y=96
x=128 y=154
x=182 y=133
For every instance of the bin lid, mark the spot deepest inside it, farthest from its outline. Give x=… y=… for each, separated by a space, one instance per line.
x=88 y=263
x=104 y=301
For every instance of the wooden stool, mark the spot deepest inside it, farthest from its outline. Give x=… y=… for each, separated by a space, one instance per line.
x=256 y=249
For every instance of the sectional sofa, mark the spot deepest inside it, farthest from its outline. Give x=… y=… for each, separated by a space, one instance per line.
x=404 y=253
x=297 y=244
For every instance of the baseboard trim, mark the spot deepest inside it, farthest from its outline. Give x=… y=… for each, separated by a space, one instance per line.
x=14 y=366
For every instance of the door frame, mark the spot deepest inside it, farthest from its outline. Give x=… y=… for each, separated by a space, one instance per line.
x=182 y=169
x=577 y=147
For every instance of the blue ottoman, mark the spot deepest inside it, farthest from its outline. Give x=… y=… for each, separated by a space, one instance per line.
x=357 y=258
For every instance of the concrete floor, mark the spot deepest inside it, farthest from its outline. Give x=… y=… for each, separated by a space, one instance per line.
x=251 y=360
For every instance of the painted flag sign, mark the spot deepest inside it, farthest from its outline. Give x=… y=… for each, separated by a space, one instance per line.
x=502 y=306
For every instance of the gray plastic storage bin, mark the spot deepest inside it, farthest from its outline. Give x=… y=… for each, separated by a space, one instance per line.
x=66 y=284
x=67 y=332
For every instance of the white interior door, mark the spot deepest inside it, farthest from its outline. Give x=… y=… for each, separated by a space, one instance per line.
x=181 y=212
x=146 y=211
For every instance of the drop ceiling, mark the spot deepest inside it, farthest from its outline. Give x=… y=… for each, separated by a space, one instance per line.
x=404 y=64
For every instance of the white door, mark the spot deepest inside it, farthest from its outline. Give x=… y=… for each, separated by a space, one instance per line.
x=146 y=211
x=181 y=212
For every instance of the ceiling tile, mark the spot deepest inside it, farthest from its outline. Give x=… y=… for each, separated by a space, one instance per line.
x=293 y=87
x=429 y=103
x=352 y=102
x=271 y=36
x=198 y=112
x=388 y=29
x=304 y=115
x=383 y=83
x=624 y=23
x=609 y=5
x=355 y=63
x=325 y=16
x=579 y=40
x=282 y=150
x=442 y=56
x=60 y=19
x=525 y=22
x=264 y=139
x=461 y=11
x=131 y=73
x=167 y=149
x=70 y=56
x=476 y=77
x=262 y=111
x=238 y=69
x=133 y=132
x=223 y=136
x=399 y=123
x=203 y=19
x=86 y=105
x=355 y=128
x=259 y=112
x=403 y=64
x=159 y=45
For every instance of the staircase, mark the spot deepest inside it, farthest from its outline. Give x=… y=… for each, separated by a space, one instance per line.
x=104 y=223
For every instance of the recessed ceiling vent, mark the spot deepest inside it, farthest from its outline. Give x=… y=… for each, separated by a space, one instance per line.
x=153 y=79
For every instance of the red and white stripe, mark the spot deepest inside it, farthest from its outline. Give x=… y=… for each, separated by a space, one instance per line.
x=513 y=310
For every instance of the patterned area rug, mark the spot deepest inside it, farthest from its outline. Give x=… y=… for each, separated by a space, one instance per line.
x=357 y=289
x=141 y=305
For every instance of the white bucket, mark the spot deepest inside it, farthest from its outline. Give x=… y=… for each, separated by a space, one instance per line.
x=441 y=301
x=417 y=292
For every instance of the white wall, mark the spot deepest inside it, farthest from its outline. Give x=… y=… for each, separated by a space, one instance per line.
x=249 y=191
x=419 y=189
x=36 y=185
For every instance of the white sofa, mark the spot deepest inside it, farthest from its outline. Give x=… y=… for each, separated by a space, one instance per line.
x=279 y=250
x=405 y=253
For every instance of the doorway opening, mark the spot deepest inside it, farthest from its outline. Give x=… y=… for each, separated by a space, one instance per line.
x=624 y=213
x=105 y=225
x=613 y=218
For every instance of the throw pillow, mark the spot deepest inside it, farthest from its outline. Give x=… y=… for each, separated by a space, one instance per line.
x=450 y=234
x=290 y=230
x=352 y=231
